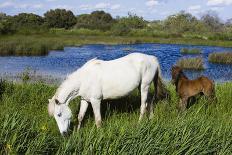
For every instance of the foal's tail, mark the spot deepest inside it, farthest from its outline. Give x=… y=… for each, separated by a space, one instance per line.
x=161 y=92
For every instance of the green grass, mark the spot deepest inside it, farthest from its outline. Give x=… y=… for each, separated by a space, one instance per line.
x=221 y=57
x=195 y=63
x=56 y=39
x=27 y=128
x=190 y=51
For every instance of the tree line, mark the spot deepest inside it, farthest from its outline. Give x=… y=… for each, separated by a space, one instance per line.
x=177 y=25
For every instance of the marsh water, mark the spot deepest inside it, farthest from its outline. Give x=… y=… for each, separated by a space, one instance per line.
x=58 y=64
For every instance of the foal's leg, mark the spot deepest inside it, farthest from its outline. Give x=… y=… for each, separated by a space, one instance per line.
x=183 y=104
x=144 y=95
x=96 y=105
x=83 y=108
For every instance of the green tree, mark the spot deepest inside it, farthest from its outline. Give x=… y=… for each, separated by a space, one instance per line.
x=181 y=22
x=212 y=21
x=6 y=25
x=125 y=24
x=60 y=18
x=28 y=20
x=96 y=20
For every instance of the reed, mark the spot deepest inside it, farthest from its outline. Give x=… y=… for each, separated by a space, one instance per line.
x=190 y=51
x=191 y=63
x=221 y=57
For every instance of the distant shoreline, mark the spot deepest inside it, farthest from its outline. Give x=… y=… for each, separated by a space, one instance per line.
x=42 y=44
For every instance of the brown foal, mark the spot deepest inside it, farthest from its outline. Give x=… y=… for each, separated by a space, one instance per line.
x=189 y=88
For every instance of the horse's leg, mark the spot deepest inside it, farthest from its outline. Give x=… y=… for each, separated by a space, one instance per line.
x=151 y=109
x=96 y=105
x=144 y=95
x=83 y=108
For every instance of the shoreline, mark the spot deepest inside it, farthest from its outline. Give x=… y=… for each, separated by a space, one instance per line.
x=40 y=45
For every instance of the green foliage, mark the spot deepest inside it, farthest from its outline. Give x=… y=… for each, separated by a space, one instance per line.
x=6 y=25
x=196 y=63
x=204 y=128
x=190 y=51
x=221 y=57
x=27 y=20
x=124 y=25
x=181 y=22
x=212 y=21
x=60 y=18
x=97 y=20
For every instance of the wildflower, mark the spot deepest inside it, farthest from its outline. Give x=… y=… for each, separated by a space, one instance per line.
x=9 y=147
x=44 y=128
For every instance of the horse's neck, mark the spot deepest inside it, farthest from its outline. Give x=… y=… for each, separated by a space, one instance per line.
x=67 y=91
x=180 y=77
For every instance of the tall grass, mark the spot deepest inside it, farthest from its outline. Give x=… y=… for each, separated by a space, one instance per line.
x=27 y=128
x=221 y=57
x=190 y=51
x=195 y=63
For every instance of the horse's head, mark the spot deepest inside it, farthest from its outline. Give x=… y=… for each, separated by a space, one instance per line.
x=176 y=71
x=62 y=114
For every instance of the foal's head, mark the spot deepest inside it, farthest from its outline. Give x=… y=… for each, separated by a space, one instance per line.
x=176 y=72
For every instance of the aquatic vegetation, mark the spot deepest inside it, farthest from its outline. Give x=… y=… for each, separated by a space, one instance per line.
x=195 y=63
x=128 y=49
x=190 y=51
x=26 y=127
x=221 y=57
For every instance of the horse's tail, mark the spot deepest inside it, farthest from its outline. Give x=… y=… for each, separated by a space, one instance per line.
x=161 y=92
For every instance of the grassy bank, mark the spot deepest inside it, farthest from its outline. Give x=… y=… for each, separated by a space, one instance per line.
x=41 y=44
x=27 y=128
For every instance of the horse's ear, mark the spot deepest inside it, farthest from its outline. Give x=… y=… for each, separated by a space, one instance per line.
x=57 y=102
x=49 y=100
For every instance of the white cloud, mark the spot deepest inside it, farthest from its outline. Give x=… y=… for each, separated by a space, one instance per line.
x=85 y=7
x=102 y=6
x=67 y=7
x=6 y=4
x=20 y=6
x=38 y=6
x=51 y=0
x=152 y=3
x=194 y=7
x=115 y=7
x=219 y=2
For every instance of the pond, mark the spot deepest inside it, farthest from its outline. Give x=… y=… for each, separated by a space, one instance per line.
x=58 y=64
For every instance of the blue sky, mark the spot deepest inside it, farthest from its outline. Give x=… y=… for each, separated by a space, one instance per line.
x=149 y=9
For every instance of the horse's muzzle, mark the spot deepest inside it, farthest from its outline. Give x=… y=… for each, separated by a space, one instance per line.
x=65 y=134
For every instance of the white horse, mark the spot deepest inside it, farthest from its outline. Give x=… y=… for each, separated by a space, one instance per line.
x=98 y=80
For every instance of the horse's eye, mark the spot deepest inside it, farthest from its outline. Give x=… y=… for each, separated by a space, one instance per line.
x=59 y=115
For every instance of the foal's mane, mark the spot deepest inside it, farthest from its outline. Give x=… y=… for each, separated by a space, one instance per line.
x=180 y=74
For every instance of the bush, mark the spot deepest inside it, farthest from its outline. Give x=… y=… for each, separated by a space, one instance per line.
x=97 y=20
x=60 y=18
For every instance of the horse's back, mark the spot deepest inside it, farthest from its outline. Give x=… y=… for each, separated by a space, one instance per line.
x=118 y=77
